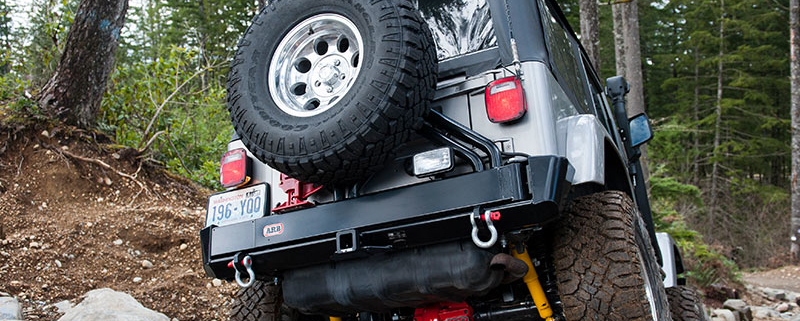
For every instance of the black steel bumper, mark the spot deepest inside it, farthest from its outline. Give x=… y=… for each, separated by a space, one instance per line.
x=429 y=213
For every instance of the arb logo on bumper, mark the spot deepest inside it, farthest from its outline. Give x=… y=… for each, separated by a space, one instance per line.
x=273 y=229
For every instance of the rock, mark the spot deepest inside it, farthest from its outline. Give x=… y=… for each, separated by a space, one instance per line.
x=109 y=305
x=740 y=307
x=118 y=242
x=137 y=279
x=45 y=134
x=727 y=315
x=783 y=307
x=10 y=309
x=765 y=312
x=183 y=246
x=216 y=282
x=63 y=306
x=147 y=264
x=774 y=294
x=717 y=319
x=33 y=245
x=107 y=181
x=58 y=263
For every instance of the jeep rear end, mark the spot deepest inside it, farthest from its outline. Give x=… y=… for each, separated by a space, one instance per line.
x=518 y=126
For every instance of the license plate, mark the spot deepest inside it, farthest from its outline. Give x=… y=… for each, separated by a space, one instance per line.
x=236 y=206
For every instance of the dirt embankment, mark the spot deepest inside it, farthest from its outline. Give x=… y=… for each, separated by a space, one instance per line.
x=68 y=225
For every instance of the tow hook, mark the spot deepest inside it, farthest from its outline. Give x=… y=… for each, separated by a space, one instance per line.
x=488 y=217
x=247 y=264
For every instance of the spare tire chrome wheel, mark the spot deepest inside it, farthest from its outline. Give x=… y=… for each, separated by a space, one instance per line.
x=325 y=91
x=315 y=65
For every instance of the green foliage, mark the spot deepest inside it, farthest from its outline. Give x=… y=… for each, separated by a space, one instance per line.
x=190 y=127
x=43 y=40
x=704 y=264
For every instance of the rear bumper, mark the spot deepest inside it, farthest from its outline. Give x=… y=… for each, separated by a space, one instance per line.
x=429 y=213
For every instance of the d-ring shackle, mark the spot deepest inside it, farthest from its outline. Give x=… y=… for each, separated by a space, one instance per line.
x=247 y=261
x=492 y=230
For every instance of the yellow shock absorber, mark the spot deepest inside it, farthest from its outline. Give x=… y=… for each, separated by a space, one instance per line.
x=335 y=319
x=531 y=279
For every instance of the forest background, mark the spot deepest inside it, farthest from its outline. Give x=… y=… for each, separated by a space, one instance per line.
x=167 y=91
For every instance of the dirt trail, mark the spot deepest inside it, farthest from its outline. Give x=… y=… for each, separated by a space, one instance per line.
x=69 y=226
x=785 y=278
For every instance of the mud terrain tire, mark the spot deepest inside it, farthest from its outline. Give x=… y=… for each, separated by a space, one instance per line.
x=685 y=305
x=260 y=302
x=346 y=135
x=601 y=249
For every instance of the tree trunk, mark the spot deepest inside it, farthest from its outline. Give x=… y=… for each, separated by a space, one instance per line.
x=629 y=63
x=717 y=122
x=74 y=92
x=633 y=71
x=590 y=31
x=633 y=57
x=619 y=40
x=794 y=18
x=696 y=118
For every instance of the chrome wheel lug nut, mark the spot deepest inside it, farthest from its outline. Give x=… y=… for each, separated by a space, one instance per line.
x=336 y=63
x=330 y=89
x=317 y=83
x=342 y=77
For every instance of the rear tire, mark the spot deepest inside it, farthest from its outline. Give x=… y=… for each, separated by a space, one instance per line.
x=260 y=302
x=604 y=263
x=685 y=305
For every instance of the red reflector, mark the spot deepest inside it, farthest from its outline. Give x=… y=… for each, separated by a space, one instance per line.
x=505 y=100
x=233 y=168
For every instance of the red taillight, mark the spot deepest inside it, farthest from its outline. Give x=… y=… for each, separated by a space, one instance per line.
x=234 y=169
x=505 y=100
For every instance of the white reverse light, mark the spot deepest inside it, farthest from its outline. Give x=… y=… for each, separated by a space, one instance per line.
x=433 y=162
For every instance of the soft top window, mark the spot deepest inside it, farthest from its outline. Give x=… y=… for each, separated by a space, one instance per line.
x=458 y=26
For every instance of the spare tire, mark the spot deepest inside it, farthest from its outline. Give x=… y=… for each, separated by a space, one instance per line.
x=325 y=90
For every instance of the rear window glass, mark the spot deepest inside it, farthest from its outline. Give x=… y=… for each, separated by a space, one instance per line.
x=458 y=26
x=563 y=53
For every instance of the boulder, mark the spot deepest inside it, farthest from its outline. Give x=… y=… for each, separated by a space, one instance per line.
x=63 y=306
x=728 y=315
x=109 y=305
x=10 y=309
x=739 y=307
x=765 y=312
x=774 y=294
